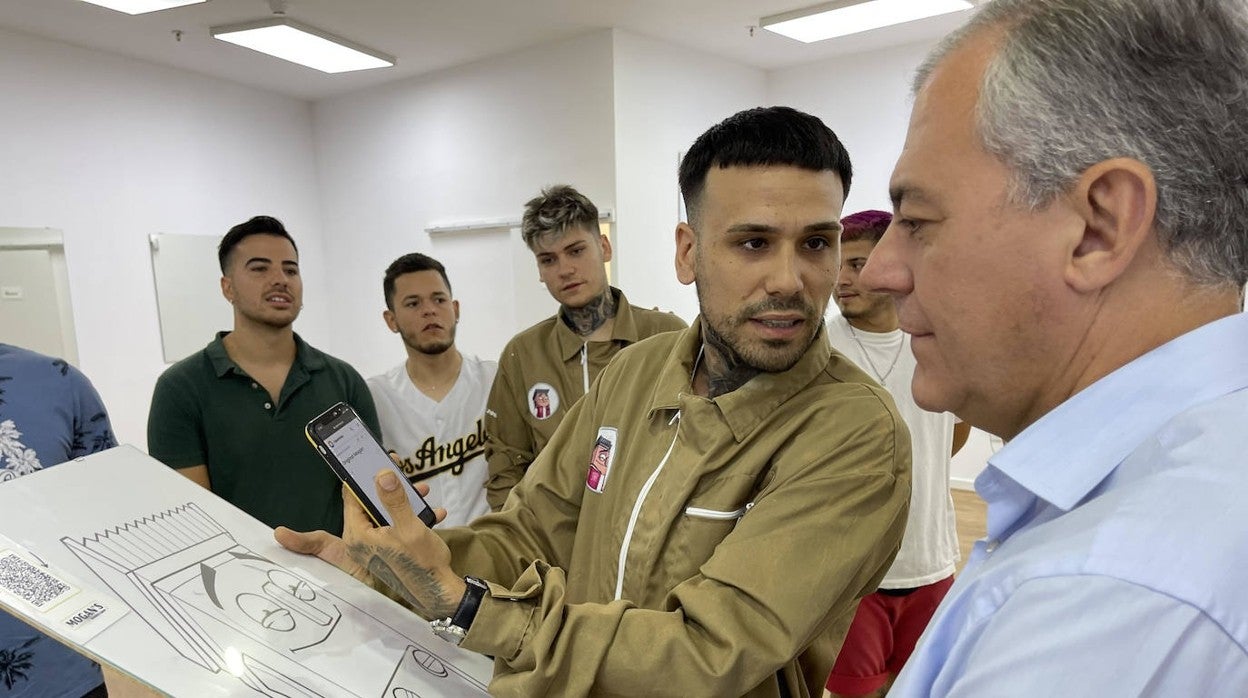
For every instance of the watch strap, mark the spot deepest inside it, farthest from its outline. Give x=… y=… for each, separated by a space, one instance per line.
x=467 y=612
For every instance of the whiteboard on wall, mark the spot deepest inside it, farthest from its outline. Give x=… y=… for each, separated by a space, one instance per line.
x=188 y=293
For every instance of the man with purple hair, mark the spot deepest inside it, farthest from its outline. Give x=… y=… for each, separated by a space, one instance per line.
x=889 y=621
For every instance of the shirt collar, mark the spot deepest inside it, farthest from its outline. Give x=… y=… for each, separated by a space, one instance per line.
x=309 y=358
x=623 y=329
x=746 y=407
x=1066 y=453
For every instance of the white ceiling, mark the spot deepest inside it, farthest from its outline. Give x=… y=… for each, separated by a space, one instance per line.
x=428 y=35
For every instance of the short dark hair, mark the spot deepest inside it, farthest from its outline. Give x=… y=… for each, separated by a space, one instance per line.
x=408 y=264
x=556 y=210
x=761 y=137
x=865 y=225
x=257 y=225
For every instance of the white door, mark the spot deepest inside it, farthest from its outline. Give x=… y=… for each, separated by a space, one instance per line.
x=35 y=310
x=29 y=307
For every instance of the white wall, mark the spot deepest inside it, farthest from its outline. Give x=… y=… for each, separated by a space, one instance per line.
x=665 y=97
x=469 y=143
x=865 y=99
x=109 y=150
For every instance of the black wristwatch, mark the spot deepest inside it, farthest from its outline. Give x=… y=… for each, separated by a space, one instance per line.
x=455 y=628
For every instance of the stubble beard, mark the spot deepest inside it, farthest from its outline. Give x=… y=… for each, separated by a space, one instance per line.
x=870 y=311
x=429 y=348
x=276 y=323
x=724 y=334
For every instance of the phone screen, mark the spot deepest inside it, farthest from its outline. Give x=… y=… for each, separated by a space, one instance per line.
x=357 y=452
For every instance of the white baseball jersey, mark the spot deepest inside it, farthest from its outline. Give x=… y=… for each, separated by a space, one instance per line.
x=440 y=443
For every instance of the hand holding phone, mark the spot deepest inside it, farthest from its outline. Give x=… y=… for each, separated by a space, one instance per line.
x=355 y=456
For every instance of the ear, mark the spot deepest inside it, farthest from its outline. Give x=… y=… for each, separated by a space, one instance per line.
x=227 y=289
x=1117 y=200
x=605 y=243
x=686 y=253
x=455 y=305
x=388 y=316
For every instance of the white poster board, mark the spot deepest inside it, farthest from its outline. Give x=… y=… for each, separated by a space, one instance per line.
x=188 y=293
x=190 y=596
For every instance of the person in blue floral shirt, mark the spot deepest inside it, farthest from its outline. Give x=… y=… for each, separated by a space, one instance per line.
x=49 y=413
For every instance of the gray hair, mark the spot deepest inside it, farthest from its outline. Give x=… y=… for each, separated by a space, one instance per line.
x=556 y=210
x=1165 y=82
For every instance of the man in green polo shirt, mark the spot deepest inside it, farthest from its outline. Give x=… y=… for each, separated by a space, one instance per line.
x=231 y=417
x=545 y=369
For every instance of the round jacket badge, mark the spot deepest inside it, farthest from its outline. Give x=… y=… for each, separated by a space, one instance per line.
x=543 y=400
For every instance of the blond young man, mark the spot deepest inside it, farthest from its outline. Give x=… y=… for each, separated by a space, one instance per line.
x=545 y=369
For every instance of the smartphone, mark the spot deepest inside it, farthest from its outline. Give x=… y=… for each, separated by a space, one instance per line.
x=355 y=456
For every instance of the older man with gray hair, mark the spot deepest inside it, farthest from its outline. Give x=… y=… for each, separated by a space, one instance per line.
x=1067 y=253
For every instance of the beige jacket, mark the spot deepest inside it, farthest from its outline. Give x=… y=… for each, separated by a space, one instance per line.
x=550 y=356
x=729 y=537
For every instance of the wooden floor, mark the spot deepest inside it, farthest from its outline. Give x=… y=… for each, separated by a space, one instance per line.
x=971 y=520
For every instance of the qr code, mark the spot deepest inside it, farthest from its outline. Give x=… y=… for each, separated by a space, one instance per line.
x=29 y=583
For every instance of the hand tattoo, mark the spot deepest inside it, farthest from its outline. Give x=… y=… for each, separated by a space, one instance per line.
x=726 y=370
x=585 y=320
x=416 y=583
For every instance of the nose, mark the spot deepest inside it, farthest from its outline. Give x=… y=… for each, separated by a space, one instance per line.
x=845 y=276
x=886 y=270
x=785 y=276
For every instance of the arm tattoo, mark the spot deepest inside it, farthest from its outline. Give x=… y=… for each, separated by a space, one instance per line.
x=414 y=582
x=585 y=320
x=725 y=369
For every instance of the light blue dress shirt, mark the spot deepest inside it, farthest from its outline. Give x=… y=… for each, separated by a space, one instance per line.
x=1116 y=560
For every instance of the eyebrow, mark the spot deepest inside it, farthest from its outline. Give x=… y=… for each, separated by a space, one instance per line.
x=900 y=192
x=266 y=260
x=820 y=227
x=435 y=294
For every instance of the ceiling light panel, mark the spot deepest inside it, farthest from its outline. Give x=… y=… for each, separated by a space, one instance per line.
x=830 y=20
x=138 y=7
x=299 y=43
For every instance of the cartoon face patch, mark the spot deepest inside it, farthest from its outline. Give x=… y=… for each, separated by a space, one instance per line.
x=543 y=400
x=600 y=459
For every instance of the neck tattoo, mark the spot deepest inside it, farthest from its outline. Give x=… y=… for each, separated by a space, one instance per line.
x=586 y=319
x=901 y=346
x=725 y=369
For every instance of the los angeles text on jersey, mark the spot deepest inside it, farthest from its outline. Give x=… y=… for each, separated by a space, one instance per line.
x=433 y=458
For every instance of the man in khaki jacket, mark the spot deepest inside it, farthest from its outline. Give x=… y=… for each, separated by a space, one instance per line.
x=706 y=518
x=545 y=369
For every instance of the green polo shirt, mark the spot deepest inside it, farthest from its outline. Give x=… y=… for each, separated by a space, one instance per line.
x=207 y=411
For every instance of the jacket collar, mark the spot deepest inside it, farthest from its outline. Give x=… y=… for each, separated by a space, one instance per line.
x=746 y=407
x=623 y=330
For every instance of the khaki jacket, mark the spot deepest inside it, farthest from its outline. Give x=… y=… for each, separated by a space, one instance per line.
x=550 y=356
x=750 y=526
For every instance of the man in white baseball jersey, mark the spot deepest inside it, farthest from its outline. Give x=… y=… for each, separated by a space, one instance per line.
x=431 y=405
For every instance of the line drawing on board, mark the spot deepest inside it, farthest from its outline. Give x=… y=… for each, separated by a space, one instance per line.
x=227 y=608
